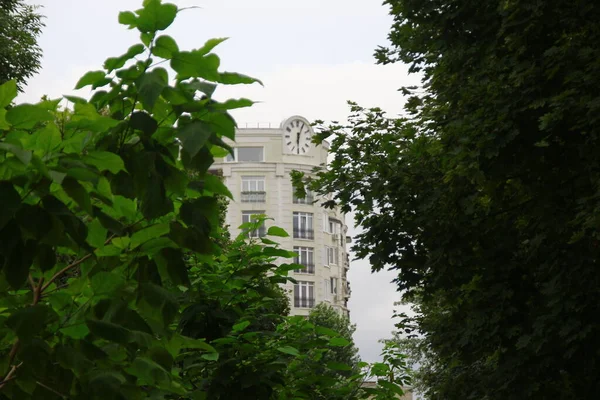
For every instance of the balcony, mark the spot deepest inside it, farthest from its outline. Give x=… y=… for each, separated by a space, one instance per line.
x=304 y=302
x=254 y=197
x=304 y=234
x=309 y=268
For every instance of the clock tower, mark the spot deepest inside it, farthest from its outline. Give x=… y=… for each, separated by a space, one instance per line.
x=297 y=135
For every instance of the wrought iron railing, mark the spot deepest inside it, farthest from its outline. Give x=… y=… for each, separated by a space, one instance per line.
x=304 y=233
x=304 y=302
x=254 y=197
x=309 y=268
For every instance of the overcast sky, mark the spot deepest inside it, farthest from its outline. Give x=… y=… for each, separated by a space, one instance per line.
x=312 y=56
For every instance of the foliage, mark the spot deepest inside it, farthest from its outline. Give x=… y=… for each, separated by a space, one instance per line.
x=325 y=316
x=118 y=279
x=484 y=198
x=20 y=56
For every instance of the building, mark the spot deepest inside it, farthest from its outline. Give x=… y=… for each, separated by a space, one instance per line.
x=259 y=179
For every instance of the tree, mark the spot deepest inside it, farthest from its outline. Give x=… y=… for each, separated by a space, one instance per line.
x=325 y=316
x=117 y=279
x=20 y=26
x=484 y=197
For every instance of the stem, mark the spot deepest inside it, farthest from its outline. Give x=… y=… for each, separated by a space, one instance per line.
x=10 y=376
x=65 y=269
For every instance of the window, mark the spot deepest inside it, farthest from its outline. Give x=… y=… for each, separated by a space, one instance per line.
x=303 y=225
x=308 y=199
x=251 y=216
x=332 y=255
x=331 y=227
x=248 y=154
x=331 y=288
x=304 y=294
x=305 y=257
x=253 y=189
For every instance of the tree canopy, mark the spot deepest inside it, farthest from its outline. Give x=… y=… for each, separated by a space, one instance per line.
x=484 y=197
x=117 y=278
x=20 y=55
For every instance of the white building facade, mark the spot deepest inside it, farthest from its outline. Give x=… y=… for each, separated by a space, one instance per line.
x=259 y=179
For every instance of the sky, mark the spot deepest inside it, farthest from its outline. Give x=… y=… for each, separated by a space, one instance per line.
x=312 y=56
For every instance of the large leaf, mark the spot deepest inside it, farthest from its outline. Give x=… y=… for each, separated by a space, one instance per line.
x=23 y=155
x=289 y=350
x=148 y=372
x=194 y=136
x=105 y=161
x=194 y=64
x=8 y=91
x=117 y=62
x=91 y=78
x=150 y=85
x=77 y=192
x=165 y=47
x=26 y=116
x=30 y=321
x=277 y=231
x=148 y=233
x=10 y=201
x=171 y=260
x=109 y=331
x=96 y=234
x=154 y=16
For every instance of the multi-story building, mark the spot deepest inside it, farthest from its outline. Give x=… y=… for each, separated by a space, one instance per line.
x=258 y=176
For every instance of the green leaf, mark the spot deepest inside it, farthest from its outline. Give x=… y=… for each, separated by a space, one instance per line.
x=23 y=155
x=240 y=326
x=3 y=124
x=338 y=366
x=90 y=78
x=214 y=184
x=117 y=62
x=339 y=342
x=150 y=86
x=232 y=78
x=45 y=257
x=321 y=330
x=195 y=65
x=165 y=47
x=209 y=45
x=277 y=231
x=210 y=356
x=172 y=262
x=8 y=91
x=128 y=18
x=109 y=331
x=273 y=252
x=10 y=201
x=46 y=139
x=143 y=122
x=148 y=233
x=30 y=321
x=155 y=16
x=107 y=283
x=232 y=104
x=289 y=350
x=105 y=161
x=96 y=234
x=194 y=136
x=78 y=193
x=18 y=262
x=391 y=386
x=78 y=331
x=148 y=372
x=26 y=116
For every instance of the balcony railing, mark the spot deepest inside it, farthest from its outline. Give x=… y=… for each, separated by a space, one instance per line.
x=304 y=302
x=309 y=268
x=254 y=197
x=304 y=233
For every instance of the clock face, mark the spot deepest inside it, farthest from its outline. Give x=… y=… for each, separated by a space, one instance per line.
x=297 y=136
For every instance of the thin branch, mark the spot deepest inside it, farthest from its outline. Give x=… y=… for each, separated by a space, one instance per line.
x=11 y=375
x=50 y=389
x=65 y=269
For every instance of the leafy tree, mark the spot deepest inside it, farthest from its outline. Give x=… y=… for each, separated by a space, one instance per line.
x=117 y=279
x=484 y=197
x=20 y=56
x=325 y=316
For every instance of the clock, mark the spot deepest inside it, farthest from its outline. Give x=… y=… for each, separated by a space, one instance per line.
x=297 y=135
